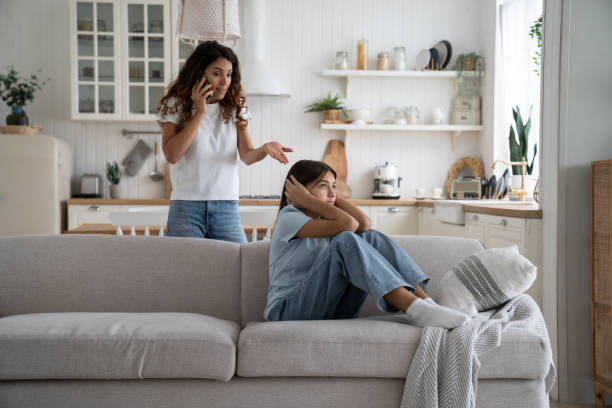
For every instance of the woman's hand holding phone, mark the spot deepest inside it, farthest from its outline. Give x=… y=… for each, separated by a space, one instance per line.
x=200 y=93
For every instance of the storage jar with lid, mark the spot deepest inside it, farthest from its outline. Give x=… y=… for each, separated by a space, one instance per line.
x=382 y=62
x=412 y=115
x=362 y=54
x=399 y=58
x=341 y=61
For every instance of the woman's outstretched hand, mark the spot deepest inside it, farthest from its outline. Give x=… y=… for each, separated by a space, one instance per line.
x=296 y=193
x=277 y=151
x=199 y=95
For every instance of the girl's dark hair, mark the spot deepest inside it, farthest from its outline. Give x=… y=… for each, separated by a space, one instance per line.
x=191 y=72
x=305 y=171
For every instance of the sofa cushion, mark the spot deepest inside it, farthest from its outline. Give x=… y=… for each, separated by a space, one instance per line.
x=107 y=273
x=117 y=346
x=374 y=347
x=486 y=279
x=335 y=348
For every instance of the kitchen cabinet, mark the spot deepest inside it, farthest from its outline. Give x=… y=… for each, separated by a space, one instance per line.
x=394 y=220
x=497 y=231
x=121 y=58
x=428 y=224
x=79 y=214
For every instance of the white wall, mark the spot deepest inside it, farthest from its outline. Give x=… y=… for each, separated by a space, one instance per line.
x=303 y=38
x=585 y=135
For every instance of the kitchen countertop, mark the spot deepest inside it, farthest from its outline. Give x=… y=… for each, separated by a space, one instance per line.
x=506 y=210
x=109 y=229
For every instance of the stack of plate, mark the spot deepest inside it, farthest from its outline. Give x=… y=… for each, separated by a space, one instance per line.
x=436 y=57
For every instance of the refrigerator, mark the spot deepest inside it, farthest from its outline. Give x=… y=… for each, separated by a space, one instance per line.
x=35 y=172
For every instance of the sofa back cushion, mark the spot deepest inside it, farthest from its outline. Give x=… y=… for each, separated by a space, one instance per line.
x=104 y=273
x=435 y=255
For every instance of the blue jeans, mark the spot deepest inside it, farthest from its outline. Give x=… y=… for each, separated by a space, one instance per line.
x=352 y=267
x=217 y=219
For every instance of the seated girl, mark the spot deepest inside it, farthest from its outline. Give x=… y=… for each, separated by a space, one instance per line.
x=325 y=259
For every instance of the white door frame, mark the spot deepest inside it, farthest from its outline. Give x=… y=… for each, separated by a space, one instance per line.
x=552 y=156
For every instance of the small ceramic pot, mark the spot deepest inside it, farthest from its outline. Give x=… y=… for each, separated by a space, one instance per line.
x=113 y=190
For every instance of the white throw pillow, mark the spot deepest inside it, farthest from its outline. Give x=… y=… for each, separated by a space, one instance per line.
x=486 y=280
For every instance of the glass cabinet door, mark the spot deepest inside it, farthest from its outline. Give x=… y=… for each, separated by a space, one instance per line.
x=148 y=50
x=96 y=58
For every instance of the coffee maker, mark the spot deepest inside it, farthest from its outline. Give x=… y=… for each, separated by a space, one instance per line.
x=386 y=182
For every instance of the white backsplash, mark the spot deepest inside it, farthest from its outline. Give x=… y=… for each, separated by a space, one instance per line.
x=302 y=39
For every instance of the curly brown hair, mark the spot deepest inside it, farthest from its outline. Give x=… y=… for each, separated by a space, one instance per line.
x=205 y=54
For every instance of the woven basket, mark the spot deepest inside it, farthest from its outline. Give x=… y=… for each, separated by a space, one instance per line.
x=22 y=130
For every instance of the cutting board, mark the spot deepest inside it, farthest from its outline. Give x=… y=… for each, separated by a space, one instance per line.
x=335 y=156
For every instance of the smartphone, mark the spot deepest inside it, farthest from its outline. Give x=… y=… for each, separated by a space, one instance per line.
x=204 y=86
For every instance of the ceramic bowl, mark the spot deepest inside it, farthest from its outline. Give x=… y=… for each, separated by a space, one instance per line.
x=359 y=116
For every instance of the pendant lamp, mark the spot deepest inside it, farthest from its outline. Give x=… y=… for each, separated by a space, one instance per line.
x=203 y=20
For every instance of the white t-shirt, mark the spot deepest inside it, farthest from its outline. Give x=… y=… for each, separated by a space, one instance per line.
x=208 y=170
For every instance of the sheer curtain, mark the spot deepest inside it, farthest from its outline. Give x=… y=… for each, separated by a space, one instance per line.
x=516 y=83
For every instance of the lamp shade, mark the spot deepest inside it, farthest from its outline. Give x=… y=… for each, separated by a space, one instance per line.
x=202 y=20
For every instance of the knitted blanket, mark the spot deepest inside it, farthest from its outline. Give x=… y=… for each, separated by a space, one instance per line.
x=444 y=369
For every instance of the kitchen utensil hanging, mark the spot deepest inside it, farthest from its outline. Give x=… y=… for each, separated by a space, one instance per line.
x=156 y=175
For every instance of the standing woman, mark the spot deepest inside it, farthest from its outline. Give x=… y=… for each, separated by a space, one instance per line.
x=204 y=121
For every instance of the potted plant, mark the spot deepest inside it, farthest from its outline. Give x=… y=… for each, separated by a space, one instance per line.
x=519 y=149
x=113 y=175
x=329 y=105
x=17 y=92
x=467 y=62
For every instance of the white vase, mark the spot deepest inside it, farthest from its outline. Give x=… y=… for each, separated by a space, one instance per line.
x=113 y=190
x=530 y=183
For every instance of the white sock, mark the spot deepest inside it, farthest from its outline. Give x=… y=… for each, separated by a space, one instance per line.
x=423 y=313
x=469 y=310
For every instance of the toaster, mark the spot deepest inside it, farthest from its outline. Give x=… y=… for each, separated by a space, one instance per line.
x=91 y=185
x=466 y=188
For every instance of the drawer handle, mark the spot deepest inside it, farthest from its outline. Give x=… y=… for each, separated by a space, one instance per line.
x=503 y=221
x=393 y=209
x=474 y=217
x=94 y=208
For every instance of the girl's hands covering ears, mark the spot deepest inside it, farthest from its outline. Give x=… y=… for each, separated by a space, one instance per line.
x=296 y=193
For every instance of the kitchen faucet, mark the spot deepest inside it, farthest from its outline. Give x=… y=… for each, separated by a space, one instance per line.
x=521 y=192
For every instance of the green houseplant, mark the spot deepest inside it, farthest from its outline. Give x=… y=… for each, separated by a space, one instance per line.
x=519 y=150
x=535 y=31
x=17 y=92
x=467 y=62
x=113 y=175
x=329 y=105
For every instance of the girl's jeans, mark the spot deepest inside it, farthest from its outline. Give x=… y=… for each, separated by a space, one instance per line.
x=352 y=267
x=216 y=219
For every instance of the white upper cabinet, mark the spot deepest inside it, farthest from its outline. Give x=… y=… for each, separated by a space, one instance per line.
x=121 y=58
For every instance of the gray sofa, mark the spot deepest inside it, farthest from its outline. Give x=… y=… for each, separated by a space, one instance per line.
x=125 y=322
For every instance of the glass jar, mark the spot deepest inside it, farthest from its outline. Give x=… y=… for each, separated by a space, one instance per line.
x=341 y=61
x=413 y=115
x=400 y=116
x=362 y=54
x=382 y=62
x=399 y=58
x=391 y=114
